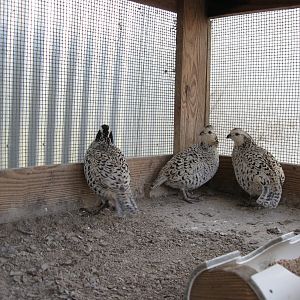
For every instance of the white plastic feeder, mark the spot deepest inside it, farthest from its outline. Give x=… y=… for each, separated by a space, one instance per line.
x=254 y=276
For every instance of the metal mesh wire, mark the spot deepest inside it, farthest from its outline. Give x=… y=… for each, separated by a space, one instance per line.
x=68 y=66
x=255 y=80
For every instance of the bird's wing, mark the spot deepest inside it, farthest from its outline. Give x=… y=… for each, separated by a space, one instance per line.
x=273 y=165
x=266 y=166
x=186 y=163
x=271 y=182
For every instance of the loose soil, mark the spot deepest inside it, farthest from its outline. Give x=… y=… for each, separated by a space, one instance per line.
x=293 y=265
x=147 y=256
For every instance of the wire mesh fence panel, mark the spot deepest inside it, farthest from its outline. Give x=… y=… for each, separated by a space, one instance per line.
x=68 y=66
x=255 y=80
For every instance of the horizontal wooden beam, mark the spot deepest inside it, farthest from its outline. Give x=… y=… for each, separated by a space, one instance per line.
x=218 y=8
x=225 y=181
x=35 y=191
x=170 y=5
x=29 y=192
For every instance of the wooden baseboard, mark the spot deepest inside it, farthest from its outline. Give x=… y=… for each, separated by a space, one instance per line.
x=35 y=191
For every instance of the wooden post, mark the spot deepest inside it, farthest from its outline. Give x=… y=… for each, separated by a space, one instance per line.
x=192 y=57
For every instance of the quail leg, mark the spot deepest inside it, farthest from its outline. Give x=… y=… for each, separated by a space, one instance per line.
x=191 y=195
x=186 y=197
x=246 y=203
x=104 y=204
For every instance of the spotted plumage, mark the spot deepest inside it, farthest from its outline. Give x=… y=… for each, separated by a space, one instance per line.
x=256 y=170
x=107 y=173
x=191 y=168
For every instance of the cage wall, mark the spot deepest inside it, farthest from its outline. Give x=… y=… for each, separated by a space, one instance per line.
x=68 y=66
x=255 y=80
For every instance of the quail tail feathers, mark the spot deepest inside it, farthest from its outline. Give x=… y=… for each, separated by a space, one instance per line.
x=270 y=196
x=158 y=182
x=125 y=203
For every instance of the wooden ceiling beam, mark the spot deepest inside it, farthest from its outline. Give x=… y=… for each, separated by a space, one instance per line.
x=218 y=8
x=170 y=5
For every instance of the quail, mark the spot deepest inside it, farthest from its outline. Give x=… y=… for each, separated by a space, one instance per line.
x=193 y=167
x=256 y=169
x=107 y=173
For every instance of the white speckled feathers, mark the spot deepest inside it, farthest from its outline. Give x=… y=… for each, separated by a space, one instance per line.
x=189 y=169
x=107 y=168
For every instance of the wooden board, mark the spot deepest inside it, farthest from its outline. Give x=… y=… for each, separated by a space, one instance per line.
x=217 y=8
x=36 y=191
x=191 y=72
x=225 y=181
x=170 y=5
x=218 y=285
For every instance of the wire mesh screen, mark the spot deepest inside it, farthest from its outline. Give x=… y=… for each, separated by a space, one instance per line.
x=255 y=80
x=68 y=66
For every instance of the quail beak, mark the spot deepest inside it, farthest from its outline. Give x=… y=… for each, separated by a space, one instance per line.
x=228 y=136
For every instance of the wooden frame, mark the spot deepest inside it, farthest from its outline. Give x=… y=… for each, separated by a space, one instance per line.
x=35 y=191
x=218 y=8
x=28 y=192
x=170 y=5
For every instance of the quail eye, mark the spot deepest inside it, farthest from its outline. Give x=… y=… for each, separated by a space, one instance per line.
x=237 y=134
x=209 y=132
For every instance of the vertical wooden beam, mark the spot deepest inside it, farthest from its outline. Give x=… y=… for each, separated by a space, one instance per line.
x=191 y=72
x=208 y=65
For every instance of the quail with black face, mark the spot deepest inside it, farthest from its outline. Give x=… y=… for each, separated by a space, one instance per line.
x=107 y=173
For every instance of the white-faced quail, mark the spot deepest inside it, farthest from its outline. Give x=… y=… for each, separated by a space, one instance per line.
x=256 y=170
x=193 y=167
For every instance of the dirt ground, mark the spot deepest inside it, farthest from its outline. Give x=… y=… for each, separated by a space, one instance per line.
x=148 y=256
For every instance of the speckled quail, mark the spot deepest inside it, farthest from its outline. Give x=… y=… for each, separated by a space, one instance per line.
x=107 y=173
x=256 y=170
x=193 y=167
